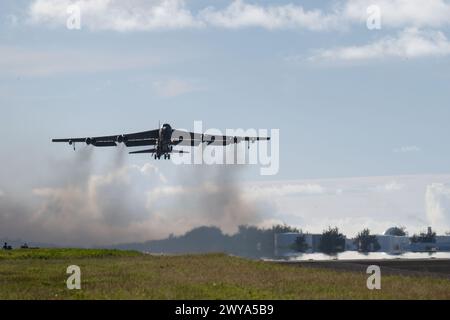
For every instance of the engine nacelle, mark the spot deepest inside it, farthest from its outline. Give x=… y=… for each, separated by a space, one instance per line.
x=213 y=138
x=122 y=139
x=89 y=141
x=70 y=142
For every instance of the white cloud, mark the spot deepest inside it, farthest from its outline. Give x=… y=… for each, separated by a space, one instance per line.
x=437 y=200
x=240 y=14
x=173 y=87
x=351 y=204
x=405 y=149
x=400 y=13
x=140 y=15
x=116 y=15
x=391 y=186
x=409 y=43
x=288 y=189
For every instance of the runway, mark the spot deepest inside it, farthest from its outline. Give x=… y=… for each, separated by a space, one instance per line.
x=407 y=267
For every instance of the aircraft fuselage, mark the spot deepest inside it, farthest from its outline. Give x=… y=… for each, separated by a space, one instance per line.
x=164 y=146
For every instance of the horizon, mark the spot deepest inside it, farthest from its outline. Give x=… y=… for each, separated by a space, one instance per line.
x=358 y=90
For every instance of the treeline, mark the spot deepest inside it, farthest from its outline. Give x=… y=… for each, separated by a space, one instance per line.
x=249 y=241
x=255 y=242
x=332 y=241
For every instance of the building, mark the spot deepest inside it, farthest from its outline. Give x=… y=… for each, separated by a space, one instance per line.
x=390 y=242
x=284 y=243
x=350 y=245
x=443 y=243
x=393 y=244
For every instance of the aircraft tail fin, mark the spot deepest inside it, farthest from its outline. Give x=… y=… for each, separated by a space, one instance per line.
x=144 y=151
x=154 y=150
x=179 y=151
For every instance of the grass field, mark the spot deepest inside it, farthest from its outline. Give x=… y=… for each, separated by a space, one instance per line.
x=112 y=274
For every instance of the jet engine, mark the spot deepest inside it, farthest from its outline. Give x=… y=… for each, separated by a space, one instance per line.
x=122 y=139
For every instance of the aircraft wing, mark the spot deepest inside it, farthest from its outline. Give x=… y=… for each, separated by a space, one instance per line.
x=218 y=140
x=145 y=138
x=184 y=138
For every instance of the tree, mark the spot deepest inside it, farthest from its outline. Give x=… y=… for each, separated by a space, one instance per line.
x=366 y=242
x=332 y=241
x=284 y=228
x=398 y=231
x=300 y=244
x=428 y=237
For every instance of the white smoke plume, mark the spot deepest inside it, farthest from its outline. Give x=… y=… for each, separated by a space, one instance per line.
x=437 y=199
x=127 y=203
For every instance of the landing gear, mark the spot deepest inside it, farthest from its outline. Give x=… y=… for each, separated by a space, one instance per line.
x=158 y=156
x=71 y=143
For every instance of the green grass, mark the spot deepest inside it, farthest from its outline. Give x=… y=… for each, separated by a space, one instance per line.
x=47 y=254
x=112 y=274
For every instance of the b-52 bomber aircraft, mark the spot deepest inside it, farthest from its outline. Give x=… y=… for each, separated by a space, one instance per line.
x=163 y=140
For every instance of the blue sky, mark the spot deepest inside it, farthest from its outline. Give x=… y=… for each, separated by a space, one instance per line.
x=349 y=101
